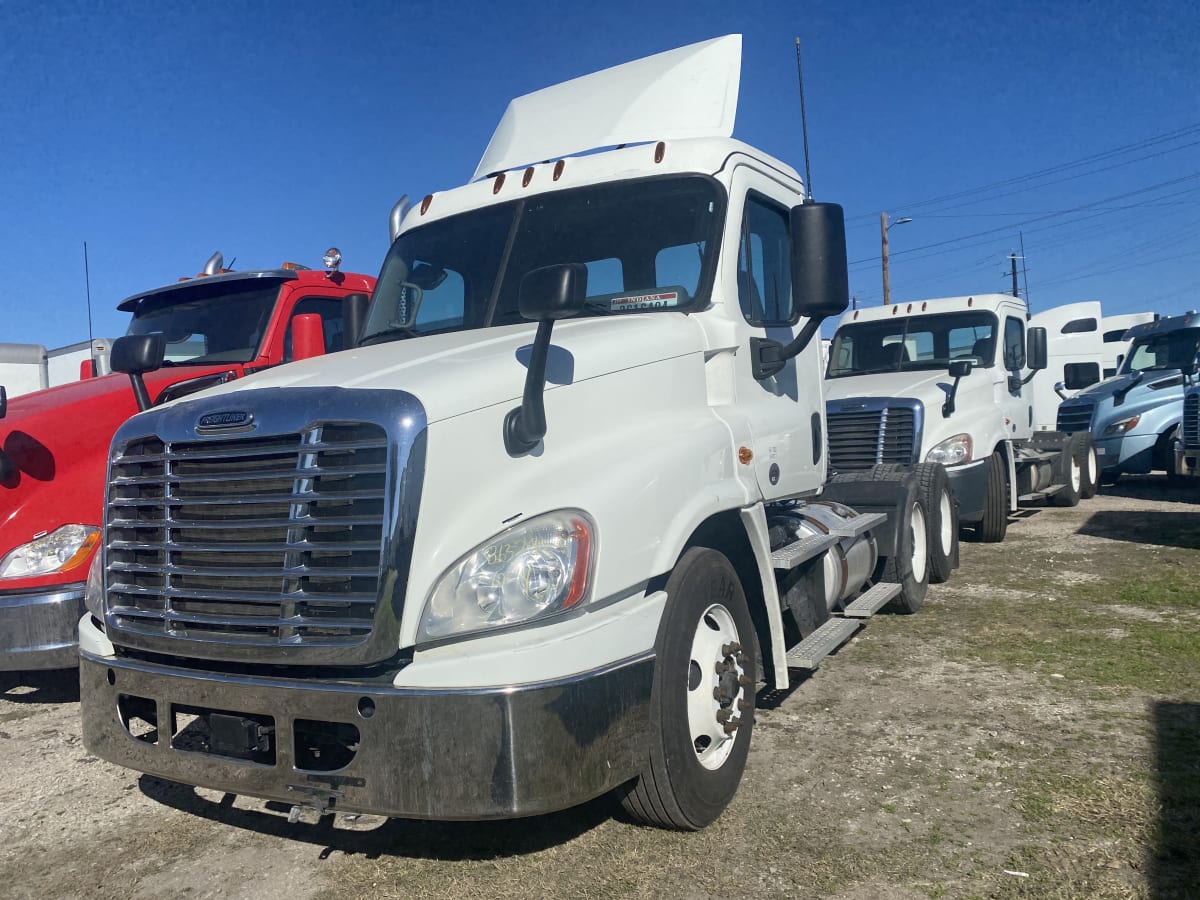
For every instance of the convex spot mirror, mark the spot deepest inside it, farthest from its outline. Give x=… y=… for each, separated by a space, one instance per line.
x=553 y=292
x=961 y=368
x=820 y=279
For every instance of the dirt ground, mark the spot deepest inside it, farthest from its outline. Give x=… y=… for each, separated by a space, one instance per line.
x=1032 y=732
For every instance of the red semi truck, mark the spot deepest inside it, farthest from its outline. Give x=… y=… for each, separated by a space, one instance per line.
x=218 y=326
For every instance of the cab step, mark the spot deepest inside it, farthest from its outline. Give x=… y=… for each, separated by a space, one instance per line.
x=791 y=555
x=871 y=601
x=809 y=652
x=1033 y=497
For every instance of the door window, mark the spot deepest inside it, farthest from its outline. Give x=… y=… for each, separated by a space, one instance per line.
x=1014 y=344
x=764 y=265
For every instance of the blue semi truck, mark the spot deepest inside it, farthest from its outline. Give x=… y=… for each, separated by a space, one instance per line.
x=1135 y=416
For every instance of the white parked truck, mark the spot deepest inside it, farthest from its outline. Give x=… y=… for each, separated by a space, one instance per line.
x=544 y=533
x=947 y=381
x=25 y=368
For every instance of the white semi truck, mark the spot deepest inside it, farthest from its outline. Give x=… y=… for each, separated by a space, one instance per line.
x=544 y=533
x=947 y=381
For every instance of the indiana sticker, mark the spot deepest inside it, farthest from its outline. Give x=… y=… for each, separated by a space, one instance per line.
x=644 y=301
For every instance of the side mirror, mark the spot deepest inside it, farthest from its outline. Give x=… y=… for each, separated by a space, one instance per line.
x=820 y=282
x=960 y=368
x=820 y=276
x=545 y=295
x=136 y=354
x=1060 y=389
x=1036 y=348
x=308 y=336
x=3 y=402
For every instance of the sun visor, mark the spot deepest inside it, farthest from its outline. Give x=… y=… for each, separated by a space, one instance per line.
x=684 y=93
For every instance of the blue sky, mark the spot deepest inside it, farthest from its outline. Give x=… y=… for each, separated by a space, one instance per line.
x=161 y=132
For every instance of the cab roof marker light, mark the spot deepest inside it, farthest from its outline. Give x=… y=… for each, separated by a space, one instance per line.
x=660 y=150
x=425 y=203
x=558 y=168
x=499 y=183
x=527 y=178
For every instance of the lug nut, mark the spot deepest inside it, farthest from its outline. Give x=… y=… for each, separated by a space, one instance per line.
x=746 y=681
x=744 y=705
x=723 y=715
x=731 y=648
x=732 y=725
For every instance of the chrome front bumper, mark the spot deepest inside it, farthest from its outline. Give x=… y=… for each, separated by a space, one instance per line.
x=495 y=752
x=40 y=629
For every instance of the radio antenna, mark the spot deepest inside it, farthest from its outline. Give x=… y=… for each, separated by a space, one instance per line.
x=804 y=127
x=87 y=284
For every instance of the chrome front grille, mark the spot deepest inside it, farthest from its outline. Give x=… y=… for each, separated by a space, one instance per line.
x=269 y=541
x=1191 y=421
x=862 y=438
x=1074 y=416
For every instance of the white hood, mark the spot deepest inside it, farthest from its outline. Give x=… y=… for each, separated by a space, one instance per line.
x=456 y=373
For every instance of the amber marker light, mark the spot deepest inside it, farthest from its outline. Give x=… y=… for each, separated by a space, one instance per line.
x=745 y=455
x=81 y=555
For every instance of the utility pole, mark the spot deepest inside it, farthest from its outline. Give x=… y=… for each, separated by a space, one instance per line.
x=883 y=228
x=1012 y=258
x=884 y=225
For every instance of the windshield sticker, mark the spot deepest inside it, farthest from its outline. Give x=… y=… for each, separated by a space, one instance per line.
x=644 y=301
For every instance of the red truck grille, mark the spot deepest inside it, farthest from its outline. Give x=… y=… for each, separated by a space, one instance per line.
x=264 y=541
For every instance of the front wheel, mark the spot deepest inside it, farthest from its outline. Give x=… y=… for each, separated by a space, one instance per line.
x=702 y=700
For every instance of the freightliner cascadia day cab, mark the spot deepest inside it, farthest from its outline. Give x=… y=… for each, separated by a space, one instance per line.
x=544 y=531
x=1134 y=416
x=947 y=381
x=53 y=443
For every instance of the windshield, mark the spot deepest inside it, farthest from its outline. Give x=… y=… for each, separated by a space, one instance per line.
x=648 y=245
x=224 y=324
x=912 y=342
x=1169 y=350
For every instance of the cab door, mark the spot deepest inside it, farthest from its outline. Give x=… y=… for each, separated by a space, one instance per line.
x=783 y=413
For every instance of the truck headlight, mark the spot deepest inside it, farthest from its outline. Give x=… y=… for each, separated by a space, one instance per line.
x=1121 y=426
x=534 y=569
x=951 y=451
x=59 y=551
x=93 y=592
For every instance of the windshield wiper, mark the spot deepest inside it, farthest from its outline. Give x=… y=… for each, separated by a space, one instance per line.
x=386 y=334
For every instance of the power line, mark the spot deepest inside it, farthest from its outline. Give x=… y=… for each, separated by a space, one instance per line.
x=1050 y=170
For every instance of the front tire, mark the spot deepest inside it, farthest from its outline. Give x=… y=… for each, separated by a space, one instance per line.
x=702 y=700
